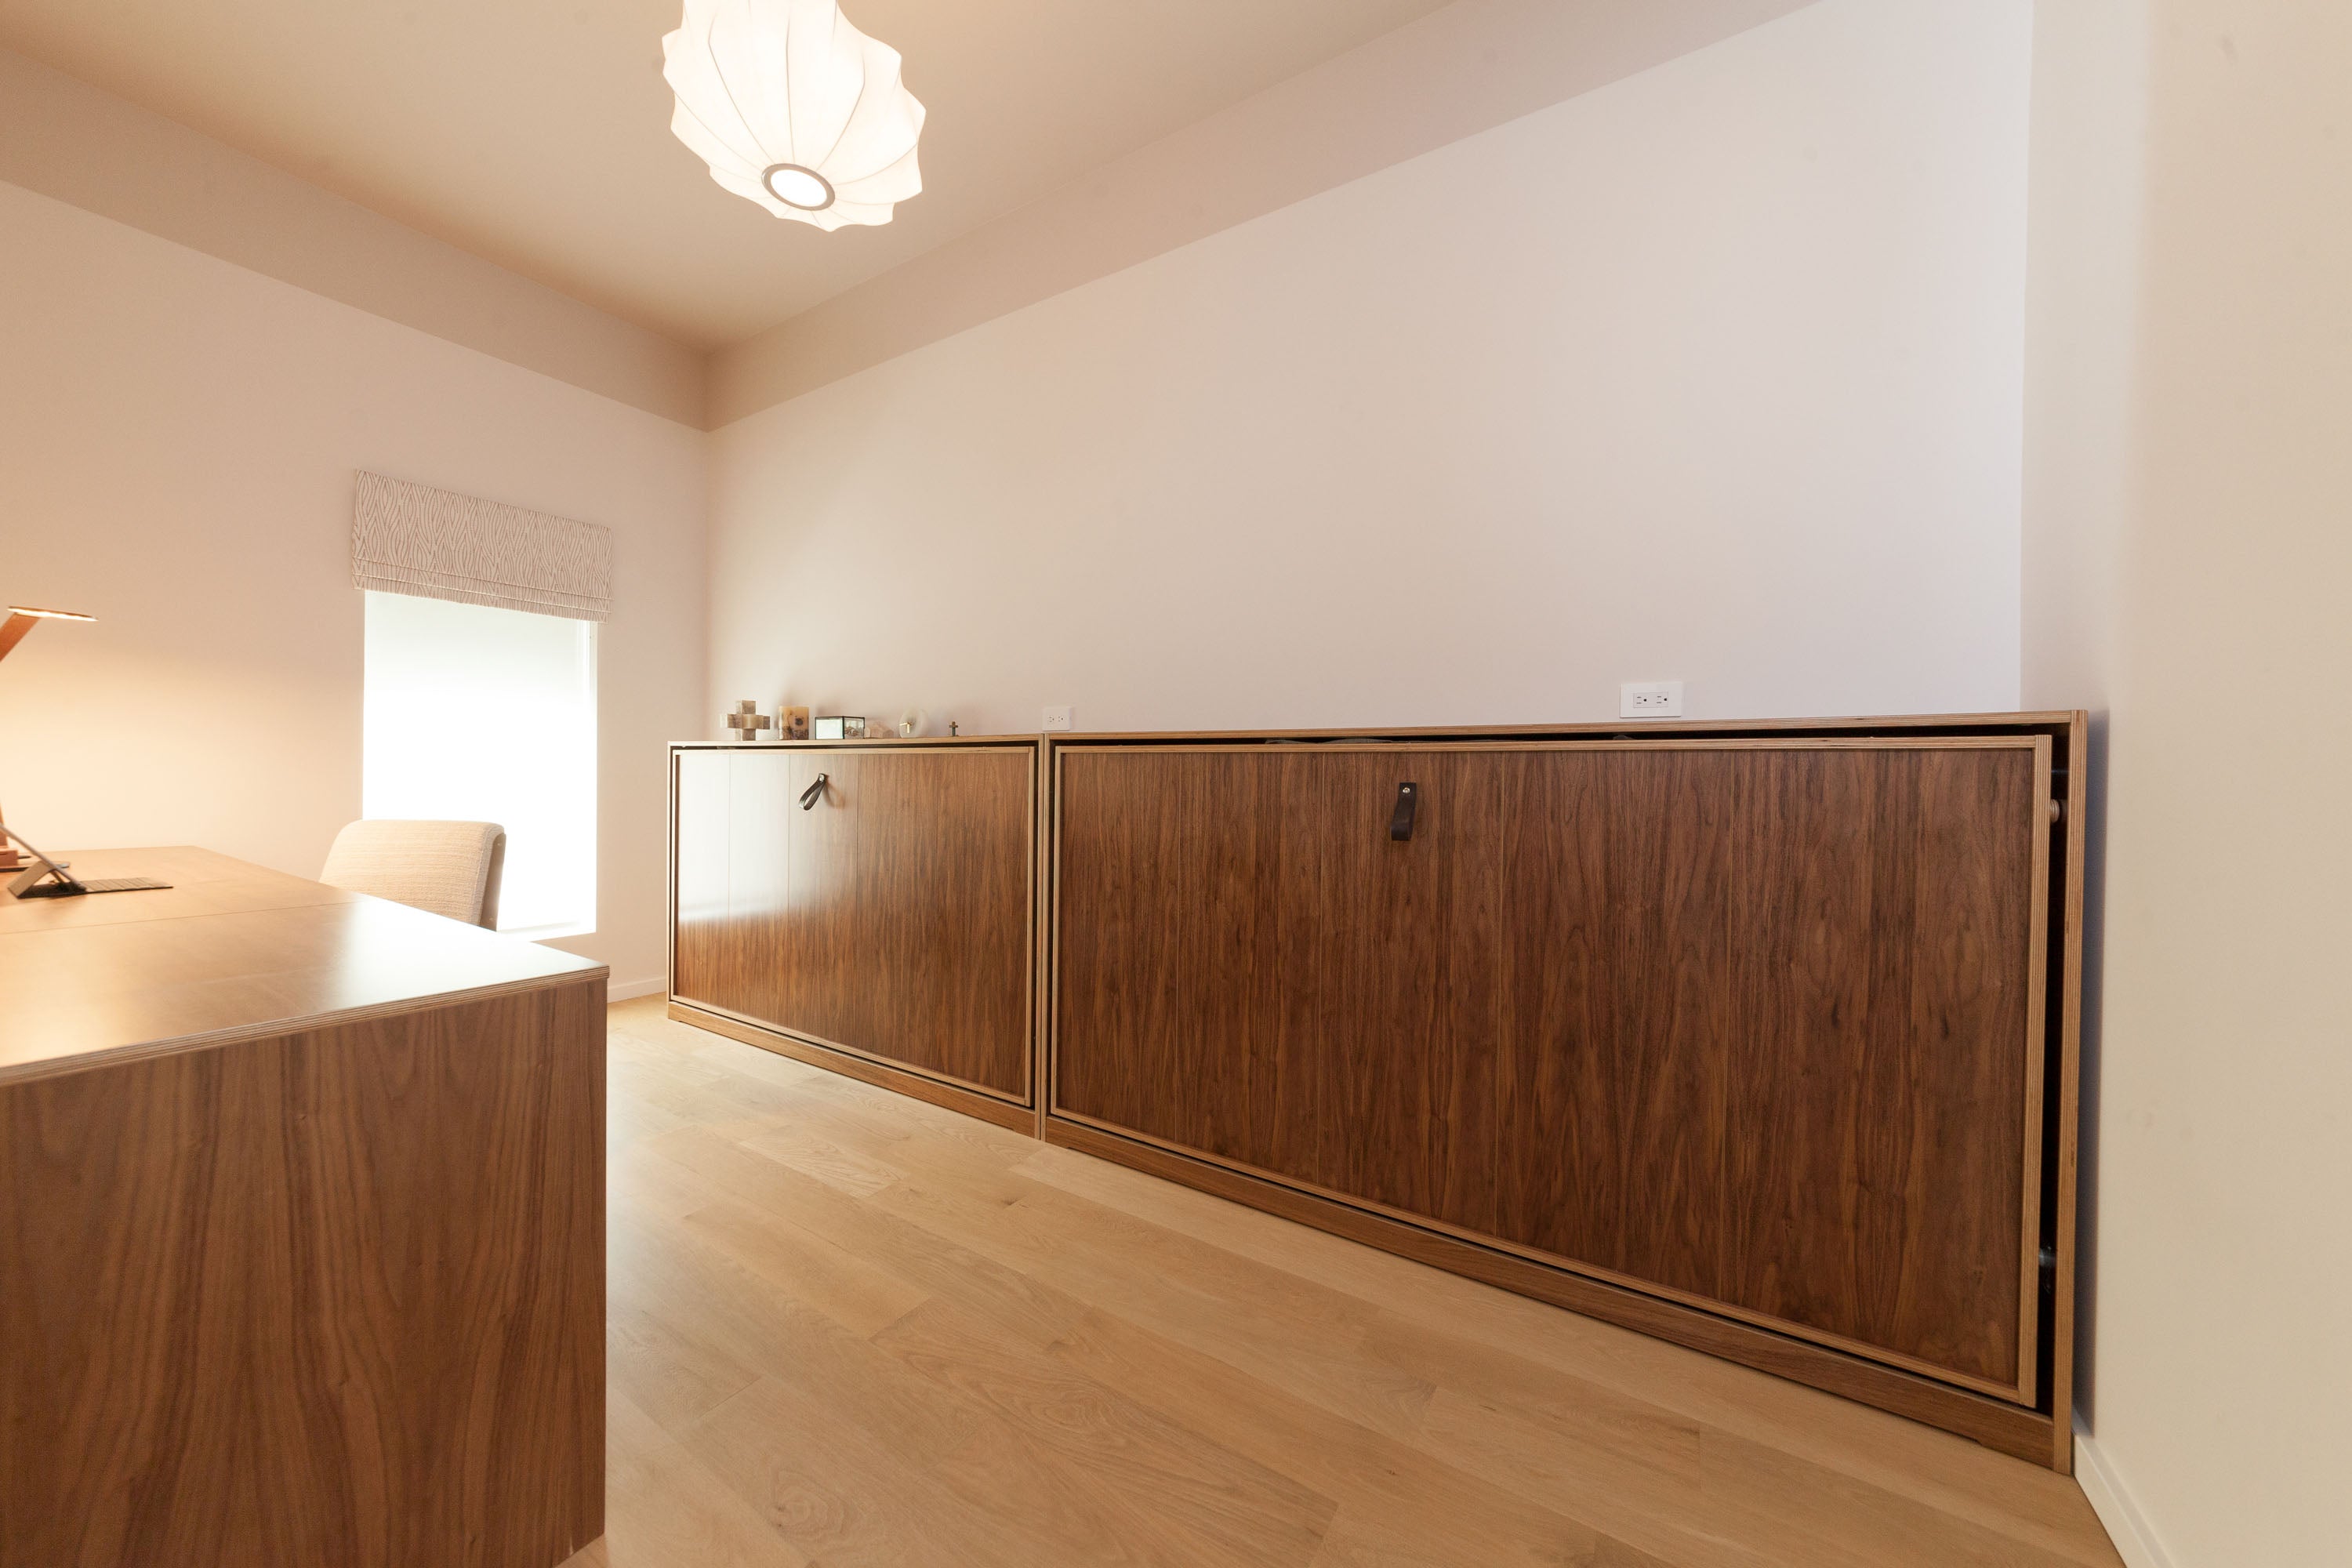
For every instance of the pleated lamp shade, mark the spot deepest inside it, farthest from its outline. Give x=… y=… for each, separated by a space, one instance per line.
x=795 y=108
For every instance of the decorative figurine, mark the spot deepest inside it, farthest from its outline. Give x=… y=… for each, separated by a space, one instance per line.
x=747 y=720
x=952 y=727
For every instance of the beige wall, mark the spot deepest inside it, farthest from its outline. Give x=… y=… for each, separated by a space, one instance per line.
x=177 y=441
x=1460 y=69
x=68 y=139
x=2190 y=570
x=1712 y=373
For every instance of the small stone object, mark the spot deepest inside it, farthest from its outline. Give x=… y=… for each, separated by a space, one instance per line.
x=747 y=720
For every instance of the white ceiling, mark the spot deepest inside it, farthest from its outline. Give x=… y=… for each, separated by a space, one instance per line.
x=536 y=132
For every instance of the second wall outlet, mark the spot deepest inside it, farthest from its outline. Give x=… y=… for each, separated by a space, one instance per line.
x=1059 y=718
x=1650 y=700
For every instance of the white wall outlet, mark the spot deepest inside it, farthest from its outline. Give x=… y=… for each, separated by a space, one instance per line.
x=1650 y=700
x=1059 y=718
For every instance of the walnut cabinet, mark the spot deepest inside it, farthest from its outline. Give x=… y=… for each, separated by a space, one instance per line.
x=1757 y=1038
x=867 y=907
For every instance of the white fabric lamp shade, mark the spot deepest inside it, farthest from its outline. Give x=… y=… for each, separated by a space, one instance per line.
x=795 y=108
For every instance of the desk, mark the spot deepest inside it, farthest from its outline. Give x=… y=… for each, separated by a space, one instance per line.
x=301 y=1230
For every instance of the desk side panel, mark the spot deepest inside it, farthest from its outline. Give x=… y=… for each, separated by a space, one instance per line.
x=335 y=1296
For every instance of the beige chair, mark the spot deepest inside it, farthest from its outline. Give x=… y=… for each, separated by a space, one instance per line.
x=447 y=867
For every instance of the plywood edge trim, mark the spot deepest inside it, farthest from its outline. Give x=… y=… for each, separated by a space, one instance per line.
x=1426 y=745
x=2034 y=1113
x=2033 y=722
x=275 y=1028
x=1987 y=1419
x=1019 y=1116
x=873 y=743
x=1025 y=1099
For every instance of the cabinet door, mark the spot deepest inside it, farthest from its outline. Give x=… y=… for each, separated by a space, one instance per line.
x=1752 y=1025
x=907 y=917
x=728 y=855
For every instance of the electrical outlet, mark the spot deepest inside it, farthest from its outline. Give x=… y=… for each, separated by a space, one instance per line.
x=1059 y=718
x=1650 y=700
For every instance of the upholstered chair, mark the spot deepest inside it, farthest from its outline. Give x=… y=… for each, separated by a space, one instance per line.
x=449 y=869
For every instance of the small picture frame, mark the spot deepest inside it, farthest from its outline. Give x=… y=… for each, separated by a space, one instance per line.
x=831 y=727
x=794 y=722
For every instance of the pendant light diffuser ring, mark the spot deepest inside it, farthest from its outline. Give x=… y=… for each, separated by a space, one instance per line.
x=795 y=108
x=798 y=188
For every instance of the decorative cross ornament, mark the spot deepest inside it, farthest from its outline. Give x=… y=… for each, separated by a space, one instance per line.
x=747 y=720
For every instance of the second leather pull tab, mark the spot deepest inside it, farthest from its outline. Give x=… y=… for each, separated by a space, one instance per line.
x=1401 y=820
x=814 y=792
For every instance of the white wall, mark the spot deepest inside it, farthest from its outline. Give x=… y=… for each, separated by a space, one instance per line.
x=2190 y=571
x=177 y=441
x=1712 y=373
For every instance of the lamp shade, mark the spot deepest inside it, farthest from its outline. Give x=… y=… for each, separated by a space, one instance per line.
x=795 y=108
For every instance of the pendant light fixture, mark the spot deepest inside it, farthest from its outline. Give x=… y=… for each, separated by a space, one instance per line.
x=795 y=108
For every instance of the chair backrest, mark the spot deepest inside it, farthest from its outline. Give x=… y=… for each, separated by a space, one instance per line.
x=449 y=867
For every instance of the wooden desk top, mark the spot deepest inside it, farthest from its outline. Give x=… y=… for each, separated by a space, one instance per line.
x=230 y=952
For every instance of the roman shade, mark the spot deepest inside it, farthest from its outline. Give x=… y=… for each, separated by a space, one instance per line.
x=437 y=544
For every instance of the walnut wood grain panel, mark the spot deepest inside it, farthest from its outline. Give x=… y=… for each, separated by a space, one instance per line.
x=892 y=919
x=908 y=921
x=332 y=1297
x=705 y=963
x=1748 y=1024
x=731 y=878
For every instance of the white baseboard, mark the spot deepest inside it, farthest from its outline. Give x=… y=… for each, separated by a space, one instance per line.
x=627 y=990
x=2127 y=1527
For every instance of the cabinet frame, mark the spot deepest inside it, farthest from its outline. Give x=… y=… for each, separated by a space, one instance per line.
x=1016 y=1111
x=2031 y=1420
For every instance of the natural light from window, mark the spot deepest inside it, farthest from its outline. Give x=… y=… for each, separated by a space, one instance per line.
x=477 y=714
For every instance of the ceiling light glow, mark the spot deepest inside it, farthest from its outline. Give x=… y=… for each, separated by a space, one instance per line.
x=798 y=188
x=795 y=108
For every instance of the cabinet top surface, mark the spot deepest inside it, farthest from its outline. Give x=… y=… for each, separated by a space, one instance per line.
x=2039 y=722
x=876 y=743
x=229 y=950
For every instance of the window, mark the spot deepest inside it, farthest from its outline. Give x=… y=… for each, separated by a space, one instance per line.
x=479 y=714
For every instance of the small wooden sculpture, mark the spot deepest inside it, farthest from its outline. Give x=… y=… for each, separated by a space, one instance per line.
x=747 y=721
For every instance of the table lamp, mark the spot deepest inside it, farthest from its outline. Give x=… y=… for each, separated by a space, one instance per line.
x=23 y=618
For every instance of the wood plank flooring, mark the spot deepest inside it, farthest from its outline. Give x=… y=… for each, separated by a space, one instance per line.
x=848 y=1329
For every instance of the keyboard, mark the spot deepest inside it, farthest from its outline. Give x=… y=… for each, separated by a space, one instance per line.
x=95 y=885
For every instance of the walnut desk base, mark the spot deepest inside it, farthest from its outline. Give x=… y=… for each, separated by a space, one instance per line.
x=301 y=1230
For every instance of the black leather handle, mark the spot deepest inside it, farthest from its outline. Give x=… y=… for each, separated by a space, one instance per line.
x=1401 y=820
x=814 y=792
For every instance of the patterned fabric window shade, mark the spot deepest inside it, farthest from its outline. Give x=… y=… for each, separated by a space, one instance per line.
x=438 y=545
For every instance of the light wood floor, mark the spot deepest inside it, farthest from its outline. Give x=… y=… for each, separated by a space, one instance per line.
x=850 y=1329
